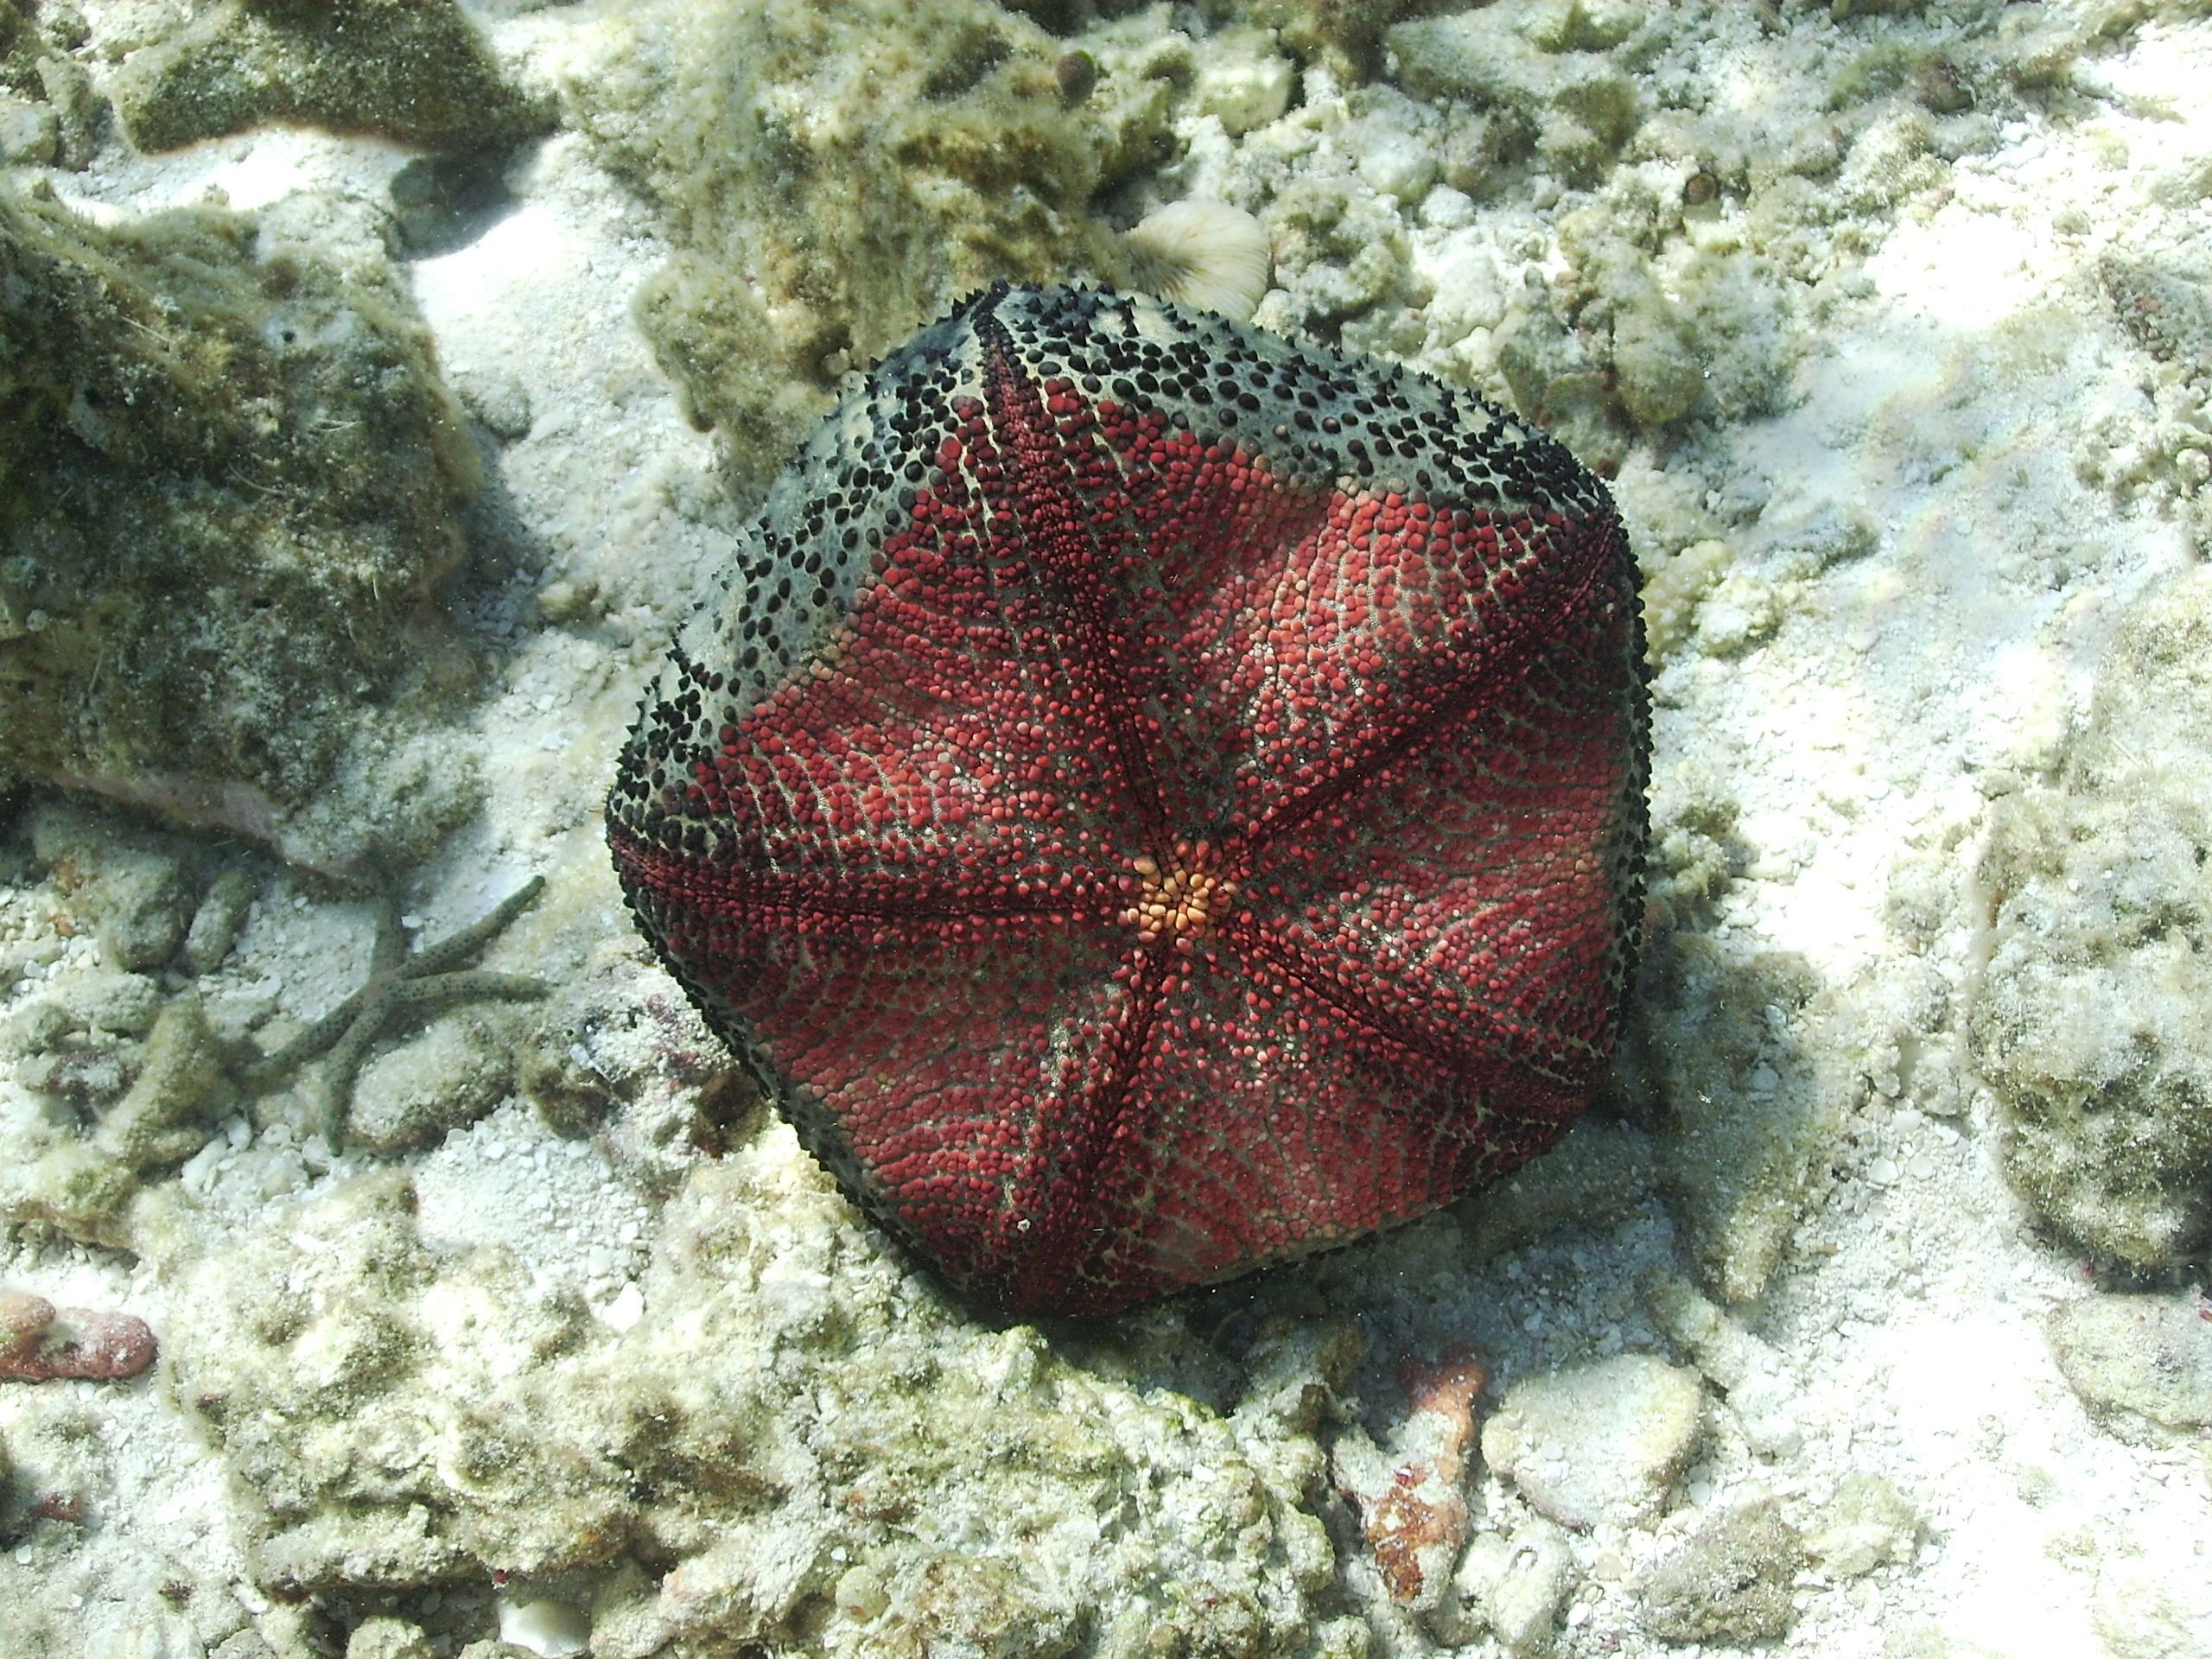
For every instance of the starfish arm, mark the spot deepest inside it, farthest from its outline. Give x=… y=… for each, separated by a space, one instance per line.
x=437 y=991
x=274 y=1067
x=1473 y=890
x=420 y=984
x=958 y=1075
x=1474 y=643
x=948 y=753
x=1265 y=1124
x=1042 y=494
x=461 y=946
x=332 y=1092
x=919 y=897
x=388 y=945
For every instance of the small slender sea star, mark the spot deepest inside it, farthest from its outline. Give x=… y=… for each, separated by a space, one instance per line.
x=421 y=985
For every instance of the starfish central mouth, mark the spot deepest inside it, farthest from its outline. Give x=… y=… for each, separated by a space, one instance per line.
x=1185 y=898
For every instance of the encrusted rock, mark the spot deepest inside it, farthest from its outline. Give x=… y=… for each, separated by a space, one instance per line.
x=39 y=1342
x=215 y=924
x=818 y=215
x=1548 y=78
x=1512 y=1586
x=136 y=890
x=125 y=1004
x=450 y=1074
x=785 y=1408
x=414 y=71
x=1413 y=1511
x=82 y=1185
x=50 y=113
x=1729 y=1582
x=386 y=1638
x=2139 y=1360
x=1867 y=1524
x=1760 y=1395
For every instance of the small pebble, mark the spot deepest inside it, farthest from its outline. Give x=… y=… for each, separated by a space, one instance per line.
x=551 y=1630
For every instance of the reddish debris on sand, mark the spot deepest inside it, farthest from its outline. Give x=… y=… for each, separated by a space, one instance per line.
x=39 y=1342
x=1152 y=800
x=1416 y=1523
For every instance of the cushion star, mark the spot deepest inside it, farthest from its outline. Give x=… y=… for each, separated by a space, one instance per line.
x=1150 y=799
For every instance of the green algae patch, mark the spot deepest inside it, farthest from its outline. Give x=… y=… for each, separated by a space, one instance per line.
x=413 y=71
x=227 y=508
x=833 y=177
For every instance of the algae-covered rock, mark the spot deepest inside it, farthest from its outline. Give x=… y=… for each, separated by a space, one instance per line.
x=448 y=1076
x=217 y=920
x=1762 y=1401
x=1743 y=1120
x=1244 y=81
x=1648 y=330
x=1341 y=36
x=1556 y=82
x=795 y=1447
x=835 y=176
x=2161 y=298
x=1345 y=264
x=414 y=71
x=1867 y=1525
x=2094 y=1023
x=137 y=890
x=2153 y=1599
x=1675 y=586
x=1555 y=376
x=1729 y=1582
x=2139 y=1360
x=226 y=512
x=1656 y=371
x=1509 y=1586
x=80 y=1181
x=49 y=113
x=384 y=1637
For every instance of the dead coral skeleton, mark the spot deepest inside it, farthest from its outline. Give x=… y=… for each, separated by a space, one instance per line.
x=39 y=1342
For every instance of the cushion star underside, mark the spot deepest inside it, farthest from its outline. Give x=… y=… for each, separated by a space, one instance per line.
x=1149 y=800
